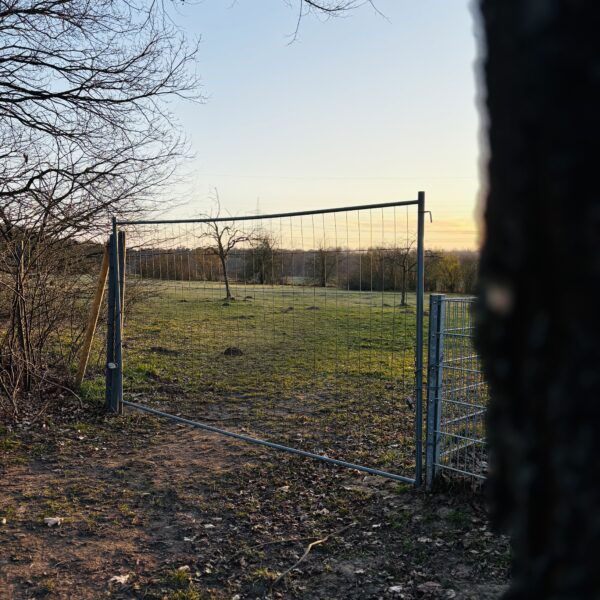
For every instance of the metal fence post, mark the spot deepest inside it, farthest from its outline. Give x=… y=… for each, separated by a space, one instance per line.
x=114 y=374
x=122 y=248
x=117 y=382
x=110 y=326
x=434 y=385
x=419 y=340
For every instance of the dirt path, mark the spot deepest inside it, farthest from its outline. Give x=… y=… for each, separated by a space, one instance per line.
x=151 y=510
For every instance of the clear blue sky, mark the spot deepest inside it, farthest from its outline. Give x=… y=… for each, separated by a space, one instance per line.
x=358 y=109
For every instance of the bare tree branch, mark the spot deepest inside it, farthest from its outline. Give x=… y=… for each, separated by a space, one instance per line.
x=86 y=133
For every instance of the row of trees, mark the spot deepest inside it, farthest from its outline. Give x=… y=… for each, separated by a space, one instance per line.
x=262 y=263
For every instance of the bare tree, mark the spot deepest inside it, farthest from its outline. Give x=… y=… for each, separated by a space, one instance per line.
x=225 y=236
x=329 y=8
x=405 y=259
x=85 y=134
x=83 y=123
x=263 y=259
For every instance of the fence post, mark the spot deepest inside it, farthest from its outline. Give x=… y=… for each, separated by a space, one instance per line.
x=122 y=273
x=434 y=384
x=110 y=326
x=93 y=319
x=114 y=373
x=419 y=340
x=117 y=382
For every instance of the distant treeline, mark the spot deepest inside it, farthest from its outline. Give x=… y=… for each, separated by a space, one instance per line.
x=374 y=269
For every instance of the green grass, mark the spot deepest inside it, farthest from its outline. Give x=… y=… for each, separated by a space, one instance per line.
x=9 y=444
x=327 y=370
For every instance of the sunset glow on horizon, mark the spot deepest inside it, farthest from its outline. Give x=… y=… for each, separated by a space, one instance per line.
x=356 y=110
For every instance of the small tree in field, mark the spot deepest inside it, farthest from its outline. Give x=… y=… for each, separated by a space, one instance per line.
x=404 y=259
x=225 y=236
x=263 y=260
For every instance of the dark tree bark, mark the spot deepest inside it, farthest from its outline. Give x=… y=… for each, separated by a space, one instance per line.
x=540 y=343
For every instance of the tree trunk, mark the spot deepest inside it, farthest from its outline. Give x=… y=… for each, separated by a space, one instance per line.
x=539 y=344
x=404 y=278
x=323 y=268
x=223 y=259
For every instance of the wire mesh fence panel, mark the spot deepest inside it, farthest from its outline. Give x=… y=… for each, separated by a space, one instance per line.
x=299 y=329
x=457 y=392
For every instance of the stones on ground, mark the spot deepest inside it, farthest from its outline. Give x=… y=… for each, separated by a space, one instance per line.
x=53 y=521
x=233 y=351
x=120 y=579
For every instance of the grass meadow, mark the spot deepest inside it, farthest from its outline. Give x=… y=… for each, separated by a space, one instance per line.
x=322 y=369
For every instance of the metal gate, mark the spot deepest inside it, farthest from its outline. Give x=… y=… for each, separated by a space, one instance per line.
x=457 y=393
x=300 y=331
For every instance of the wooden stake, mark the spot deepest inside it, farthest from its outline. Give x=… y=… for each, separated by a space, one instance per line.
x=93 y=319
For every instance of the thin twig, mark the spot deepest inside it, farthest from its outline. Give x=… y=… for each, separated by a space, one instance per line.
x=269 y=543
x=308 y=550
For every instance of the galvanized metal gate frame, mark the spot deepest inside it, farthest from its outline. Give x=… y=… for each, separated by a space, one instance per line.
x=439 y=393
x=114 y=353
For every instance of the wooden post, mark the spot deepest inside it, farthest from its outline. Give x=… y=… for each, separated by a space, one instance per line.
x=93 y=319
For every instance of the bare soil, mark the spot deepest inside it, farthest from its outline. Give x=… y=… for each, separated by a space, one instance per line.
x=154 y=510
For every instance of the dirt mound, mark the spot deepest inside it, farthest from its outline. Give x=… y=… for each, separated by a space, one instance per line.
x=233 y=351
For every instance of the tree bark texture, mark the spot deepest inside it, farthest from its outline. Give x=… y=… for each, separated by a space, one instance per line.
x=541 y=344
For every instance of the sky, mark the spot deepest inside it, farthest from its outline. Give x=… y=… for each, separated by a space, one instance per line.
x=354 y=110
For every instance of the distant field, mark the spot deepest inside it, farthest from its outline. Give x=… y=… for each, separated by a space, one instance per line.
x=326 y=370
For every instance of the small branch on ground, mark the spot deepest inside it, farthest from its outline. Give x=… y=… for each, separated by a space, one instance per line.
x=308 y=550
